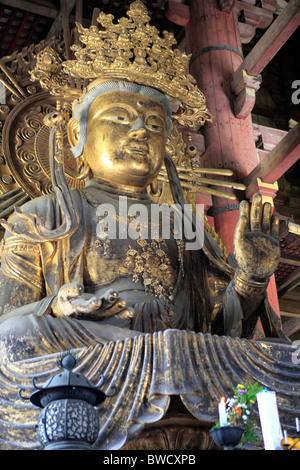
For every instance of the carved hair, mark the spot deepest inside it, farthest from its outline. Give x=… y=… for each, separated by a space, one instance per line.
x=81 y=109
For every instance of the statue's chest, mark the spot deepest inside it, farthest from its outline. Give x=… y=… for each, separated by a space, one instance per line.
x=121 y=251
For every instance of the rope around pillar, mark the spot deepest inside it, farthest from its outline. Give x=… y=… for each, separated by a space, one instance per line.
x=219 y=47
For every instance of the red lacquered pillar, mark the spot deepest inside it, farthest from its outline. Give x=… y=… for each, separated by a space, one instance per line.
x=213 y=39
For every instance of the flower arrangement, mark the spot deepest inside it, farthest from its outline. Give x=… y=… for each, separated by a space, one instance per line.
x=239 y=410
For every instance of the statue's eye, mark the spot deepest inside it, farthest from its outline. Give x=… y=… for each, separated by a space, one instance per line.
x=122 y=119
x=156 y=123
x=117 y=114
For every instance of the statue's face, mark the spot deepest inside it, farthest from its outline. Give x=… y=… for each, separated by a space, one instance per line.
x=126 y=138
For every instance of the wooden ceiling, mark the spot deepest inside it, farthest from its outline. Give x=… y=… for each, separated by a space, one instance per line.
x=24 y=22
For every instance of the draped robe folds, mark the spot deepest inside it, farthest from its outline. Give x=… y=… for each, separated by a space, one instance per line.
x=142 y=375
x=31 y=330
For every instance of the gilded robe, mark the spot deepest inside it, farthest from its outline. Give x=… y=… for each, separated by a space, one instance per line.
x=166 y=286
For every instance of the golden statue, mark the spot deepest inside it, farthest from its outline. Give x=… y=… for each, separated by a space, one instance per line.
x=64 y=283
x=158 y=311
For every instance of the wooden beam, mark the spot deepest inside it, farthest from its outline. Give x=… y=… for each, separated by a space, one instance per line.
x=227 y=5
x=96 y=13
x=66 y=27
x=269 y=137
x=292 y=281
x=279 y=160
x=78 y=18
x=291 y=326
x=272 y=40
x=254 y=15
x=178 y=13
x=269 y=4
x=289 y=306
x=287 y=259
x=57 y=25
x=294 y=228
x=31 y=7
x=289 y=314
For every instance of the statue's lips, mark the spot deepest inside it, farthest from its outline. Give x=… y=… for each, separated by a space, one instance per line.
x=137 y=148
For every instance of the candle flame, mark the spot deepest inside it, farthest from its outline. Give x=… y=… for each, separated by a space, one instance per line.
x=222 y=400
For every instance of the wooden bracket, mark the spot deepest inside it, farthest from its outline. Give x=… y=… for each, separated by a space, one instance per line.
x=247 y=75
x=278 y=160
x=244 y=86
x=178 y=13
x=227 y=5
x=268 y=191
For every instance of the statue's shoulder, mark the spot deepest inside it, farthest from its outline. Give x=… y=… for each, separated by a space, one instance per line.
x=39 y=204
x=43 y=204
x=45 y=209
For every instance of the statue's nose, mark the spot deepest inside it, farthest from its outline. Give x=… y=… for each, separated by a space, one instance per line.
x=138 y=129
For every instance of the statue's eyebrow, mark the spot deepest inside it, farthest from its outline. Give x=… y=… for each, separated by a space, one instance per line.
x=127 y=107
x=112 y=107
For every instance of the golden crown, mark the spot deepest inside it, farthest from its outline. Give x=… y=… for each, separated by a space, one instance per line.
x=129 y=49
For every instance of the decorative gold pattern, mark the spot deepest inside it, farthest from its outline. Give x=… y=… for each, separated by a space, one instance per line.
x=146 y=368
x=28 y=157
x=130 y=50
x=31 y=149
x=248 y=287
x=31 y=173
x=153 y=267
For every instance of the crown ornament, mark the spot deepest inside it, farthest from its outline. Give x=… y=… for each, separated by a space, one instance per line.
x=129 y=49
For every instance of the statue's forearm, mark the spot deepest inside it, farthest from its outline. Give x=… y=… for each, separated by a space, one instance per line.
x=39 y=308
x=17 y=312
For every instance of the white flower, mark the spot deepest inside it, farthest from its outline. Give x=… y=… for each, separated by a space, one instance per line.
x=231 y=402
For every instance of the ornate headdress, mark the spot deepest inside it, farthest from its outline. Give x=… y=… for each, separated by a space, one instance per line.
x=130 y=50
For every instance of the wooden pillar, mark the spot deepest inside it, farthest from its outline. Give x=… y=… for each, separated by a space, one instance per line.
x=213 y=39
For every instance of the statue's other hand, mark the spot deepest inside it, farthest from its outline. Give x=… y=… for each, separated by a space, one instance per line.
x=100 y=308
x=62 y=305
x=72 y=301
x=256 y=245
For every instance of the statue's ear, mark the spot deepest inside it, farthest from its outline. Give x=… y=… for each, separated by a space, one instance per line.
x=73 y=132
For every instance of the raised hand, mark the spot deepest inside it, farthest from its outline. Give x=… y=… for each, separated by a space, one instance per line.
x=256 y=245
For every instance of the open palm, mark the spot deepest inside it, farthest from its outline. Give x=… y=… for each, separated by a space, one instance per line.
x=256 y=245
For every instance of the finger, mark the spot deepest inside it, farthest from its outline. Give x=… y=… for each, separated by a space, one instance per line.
x=87 y=306
x=275 y=226
x=255 y=213
x=126 y=314
x=70 y=291
x=116 y=307
x=266 y=218
x=111 y=296
x=243 y=222
x=112 y=311
x=244 y=209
